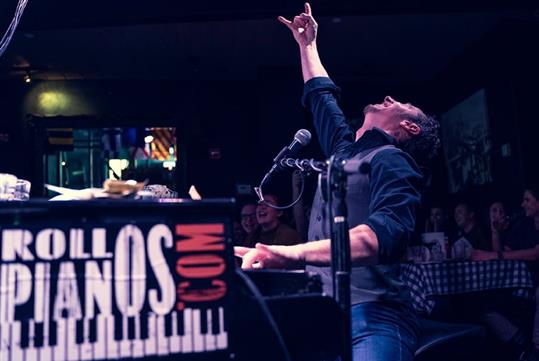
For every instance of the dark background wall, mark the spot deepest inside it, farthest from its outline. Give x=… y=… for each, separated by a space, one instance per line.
x=249 y=120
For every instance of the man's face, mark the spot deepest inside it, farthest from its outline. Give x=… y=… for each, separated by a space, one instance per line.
x=530 y=204
x=267 y=215
x=248 y=218
x=436 y=216
x=389 y=110
x=462 y=215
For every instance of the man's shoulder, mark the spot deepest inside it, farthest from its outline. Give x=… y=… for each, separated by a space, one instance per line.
x=390 y=154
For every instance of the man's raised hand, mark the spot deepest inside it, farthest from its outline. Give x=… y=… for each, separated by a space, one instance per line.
x=303 y=27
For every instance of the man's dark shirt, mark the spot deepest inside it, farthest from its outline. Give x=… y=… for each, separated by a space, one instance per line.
x=393 y=195
x=476 y=237
x=395 y=177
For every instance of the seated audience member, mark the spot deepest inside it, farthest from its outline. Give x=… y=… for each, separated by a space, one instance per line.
x=498 y=222
x=239 y=233
x=249 y=224
x=469 y=228
x=436 y=221
x=272 y=231
x=522 y=243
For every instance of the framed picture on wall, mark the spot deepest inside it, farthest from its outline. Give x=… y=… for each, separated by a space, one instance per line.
x=467 y=143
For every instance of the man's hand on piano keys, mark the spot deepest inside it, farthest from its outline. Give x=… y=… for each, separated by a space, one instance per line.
x=264 y=256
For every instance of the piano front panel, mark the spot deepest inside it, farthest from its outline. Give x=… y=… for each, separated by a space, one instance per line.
x=89 y=303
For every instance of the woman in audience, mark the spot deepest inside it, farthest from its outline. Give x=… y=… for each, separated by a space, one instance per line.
x=248 y=220
x=436 y=222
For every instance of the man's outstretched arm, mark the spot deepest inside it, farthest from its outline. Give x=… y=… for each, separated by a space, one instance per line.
x=363 y=245
x=304 y=28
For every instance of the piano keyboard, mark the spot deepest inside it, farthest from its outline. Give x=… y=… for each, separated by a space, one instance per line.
x=114 y=337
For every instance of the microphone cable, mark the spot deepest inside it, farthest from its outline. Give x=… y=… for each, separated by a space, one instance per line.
x=6 y=39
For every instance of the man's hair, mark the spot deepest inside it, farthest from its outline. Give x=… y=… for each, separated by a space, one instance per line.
x=425 y=146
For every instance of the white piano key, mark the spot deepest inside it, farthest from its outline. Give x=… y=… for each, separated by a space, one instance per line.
x=4 y=341
x=59 y=351
x=210 y=339
x=222 y=336
x=150 y=344
x=45 y=352
x=100 y=344
x=15 y=345
x=187 y=337
x=175 y=339
x=138 y=343
x=72 y=346
x=162 y=341
x=198 y=337
x=30 y=353
x=125 y=343
x=112 y=344
x=86 y=349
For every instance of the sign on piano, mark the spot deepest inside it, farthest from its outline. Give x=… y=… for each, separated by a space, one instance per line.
x=110 y=291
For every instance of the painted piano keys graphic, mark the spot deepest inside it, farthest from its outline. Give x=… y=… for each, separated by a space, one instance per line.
x=113 y=337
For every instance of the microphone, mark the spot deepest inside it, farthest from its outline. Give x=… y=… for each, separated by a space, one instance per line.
x=301 y=139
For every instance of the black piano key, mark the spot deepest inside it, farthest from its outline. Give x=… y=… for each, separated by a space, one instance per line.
x=203 y=321
x=79 y=334
x=181 y=328
x=144 y=326
x=52 y=333
x=168 y=325
x=39 y=329
x=93 y=329
x=215 y=326
x=131 y=328
x=118 y=327
x=25 y=330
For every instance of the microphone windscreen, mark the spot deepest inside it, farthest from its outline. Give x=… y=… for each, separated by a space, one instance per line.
x=303 y=136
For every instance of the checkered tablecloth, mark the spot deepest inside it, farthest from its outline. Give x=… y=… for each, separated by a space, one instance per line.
x=448 y=278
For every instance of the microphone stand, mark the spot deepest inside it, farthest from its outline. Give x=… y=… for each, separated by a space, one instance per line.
x=335 y=192
x=333 y=176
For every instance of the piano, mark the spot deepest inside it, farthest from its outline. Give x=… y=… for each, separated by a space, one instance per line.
x=125 y=280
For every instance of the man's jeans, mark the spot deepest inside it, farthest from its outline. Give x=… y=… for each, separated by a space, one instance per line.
x=383 y=331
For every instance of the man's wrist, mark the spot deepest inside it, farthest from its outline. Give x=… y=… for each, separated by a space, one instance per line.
x=298 y=253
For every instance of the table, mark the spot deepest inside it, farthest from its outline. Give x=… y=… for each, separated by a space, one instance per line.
x=456 y=277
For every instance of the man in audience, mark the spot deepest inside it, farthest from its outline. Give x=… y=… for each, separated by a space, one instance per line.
x=272 y=230
x=522 y=243
x=469 y=228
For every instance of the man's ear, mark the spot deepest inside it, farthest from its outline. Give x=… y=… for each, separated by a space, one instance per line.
x=410 y=127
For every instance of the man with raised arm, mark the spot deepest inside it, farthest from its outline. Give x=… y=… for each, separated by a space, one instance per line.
x=393 y=139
